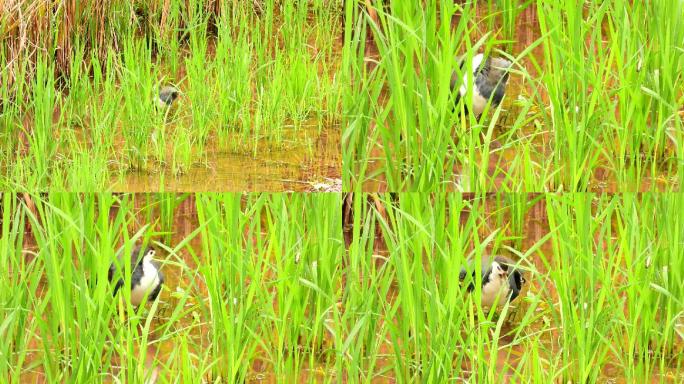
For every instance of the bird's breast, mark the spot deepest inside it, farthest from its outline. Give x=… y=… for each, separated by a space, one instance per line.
x=478 y=102
x=148 y=282
x=496 y=287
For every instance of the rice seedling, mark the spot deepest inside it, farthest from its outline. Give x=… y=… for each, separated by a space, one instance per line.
x=43 y=139
x=233 y=72
x=138 y=92
x=250 y=79
x=594 y=101
x=198 y=77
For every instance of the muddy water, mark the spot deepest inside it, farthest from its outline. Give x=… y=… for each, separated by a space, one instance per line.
x=302 y=164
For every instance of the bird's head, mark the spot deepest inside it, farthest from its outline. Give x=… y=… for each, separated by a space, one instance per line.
x=500 y=271
x=149 y=254
x=174 y=94
x=142 y=255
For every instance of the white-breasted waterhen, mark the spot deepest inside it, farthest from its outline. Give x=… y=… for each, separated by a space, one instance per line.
x=501 y=281
x=146 y=277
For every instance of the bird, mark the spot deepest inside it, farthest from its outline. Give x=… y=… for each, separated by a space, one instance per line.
x=490 y=76
x=501 y=281
x=146 y=278
x=167 y=95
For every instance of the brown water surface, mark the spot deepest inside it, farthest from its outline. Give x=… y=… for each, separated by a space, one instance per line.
x=308 y=160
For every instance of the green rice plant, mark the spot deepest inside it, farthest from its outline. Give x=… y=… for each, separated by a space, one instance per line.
x=368 y=283
x=353 y=73
x=421 y=311
x=330 y=88
x=601 y=300
x=42 y=139
x=60 y=300
x=615 y=257
x=227 y=270
x=75 y=103
x=652 y=264
x=263 y=286
x=299 y=85
x=168 y=37
x=593 y=101
x=137 y=89
x=299 y=88
x=233 y=80
x=76 y=172
x=246 y=77
x=181 y=160
x=273 y=293
x=585 y=266
x=20 y=279
x=406 y=105
x=574 y=70
x=268 y=115
x=10 y=109
x=305 y=284
x=520 y=207
x=104 y=106
x=510 y=10
x=198 y=74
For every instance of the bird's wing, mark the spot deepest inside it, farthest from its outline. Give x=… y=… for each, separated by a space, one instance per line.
x=111 y=272
x=118 y=285
x=517 y=279
x=462 y=275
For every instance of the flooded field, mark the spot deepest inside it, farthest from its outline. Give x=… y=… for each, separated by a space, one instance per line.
x=357 y=191
x=325 y=287
x=584 y=107
x=185 y=96
x=251 y=287
x=312 y=163
x=592 y=307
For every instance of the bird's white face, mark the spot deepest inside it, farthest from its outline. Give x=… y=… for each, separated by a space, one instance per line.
x=499 y=272
x=149 y=255
x=478 y=102
x=496 y=290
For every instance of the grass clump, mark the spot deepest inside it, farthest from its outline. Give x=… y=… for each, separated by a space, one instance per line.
x=593 y=104
x=251 y=80
x=286 y=287
x=245 y=294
